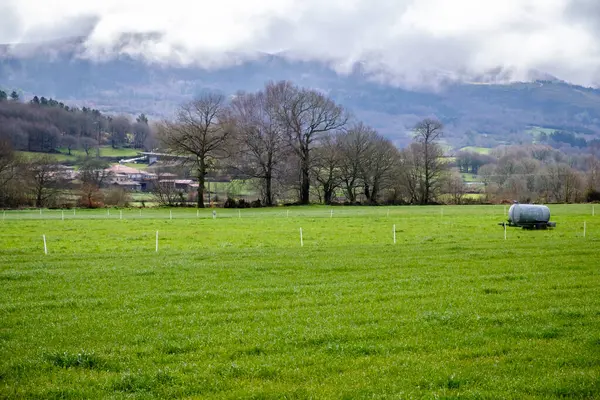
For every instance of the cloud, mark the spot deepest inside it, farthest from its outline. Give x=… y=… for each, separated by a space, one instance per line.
x=405 y=42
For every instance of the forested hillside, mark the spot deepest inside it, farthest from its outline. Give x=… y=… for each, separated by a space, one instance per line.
x=473 y=113
x=43 y=125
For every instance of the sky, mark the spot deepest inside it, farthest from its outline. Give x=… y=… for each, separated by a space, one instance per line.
x=404 y=42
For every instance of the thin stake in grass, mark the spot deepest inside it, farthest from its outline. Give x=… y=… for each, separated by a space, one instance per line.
x=157 y=241
x=170 y=214
x=331 y=215
x=504 y=231
x=45 y=247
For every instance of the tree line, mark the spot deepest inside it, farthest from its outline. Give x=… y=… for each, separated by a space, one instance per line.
x=536 y=173
x=290 y=139
x=296 y=145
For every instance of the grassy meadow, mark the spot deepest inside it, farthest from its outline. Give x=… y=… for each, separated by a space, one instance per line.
x=233 y=307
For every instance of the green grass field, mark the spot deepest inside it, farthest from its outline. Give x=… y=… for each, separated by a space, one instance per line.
x=105 y=151
x=475 y=149
x=233 y=307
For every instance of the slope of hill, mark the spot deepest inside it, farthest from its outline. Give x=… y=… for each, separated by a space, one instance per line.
x=475 y=114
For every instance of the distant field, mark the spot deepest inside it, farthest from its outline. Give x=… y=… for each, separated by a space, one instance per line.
x=105 y=151
x=233 y=307
x=475 y=149
x=536 y=131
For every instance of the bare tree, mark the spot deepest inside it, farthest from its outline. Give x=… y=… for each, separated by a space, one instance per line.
x=325 y=167
x=377 y=165
x=455 y=187
x=199 y=133
x=119 y=127
x=45 y=179
x=10 y=165
x=411 y=172
x=261 y=141
x=87 y=144
x=354 y=145
x=141 y=131
x=427 y=133
x=306 y=115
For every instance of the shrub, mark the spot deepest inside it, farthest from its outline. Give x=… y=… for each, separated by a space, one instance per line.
x=117 y=197
x=256 y=204
x=230 y=203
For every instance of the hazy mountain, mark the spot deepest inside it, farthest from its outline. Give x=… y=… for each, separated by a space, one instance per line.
x=489 y=113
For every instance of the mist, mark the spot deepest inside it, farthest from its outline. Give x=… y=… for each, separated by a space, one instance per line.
x=409 y=43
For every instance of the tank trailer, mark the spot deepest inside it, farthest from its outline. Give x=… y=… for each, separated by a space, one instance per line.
x=529 y=216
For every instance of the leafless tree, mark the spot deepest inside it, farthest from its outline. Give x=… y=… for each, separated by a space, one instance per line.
x=427 y=133
x=141 y=131
x=354 y=146
x=455 y=187
x=199 y=133
x=45 y=178
x=87 y=144
x=325 y=166
x=377 y=165
x=164 y=191
x=306 y=115
x=410 y=173
x=261 y=144
x=119 y=128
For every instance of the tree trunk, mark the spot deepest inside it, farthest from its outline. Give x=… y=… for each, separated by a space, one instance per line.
x=201 y=173
x=268 y=190
x=350 y=192
x=305 y=184
x=327 y=193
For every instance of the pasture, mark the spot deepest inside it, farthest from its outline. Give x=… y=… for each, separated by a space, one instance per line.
x=234 y=307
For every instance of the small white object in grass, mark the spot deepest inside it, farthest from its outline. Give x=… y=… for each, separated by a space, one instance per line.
x=239 y=213
x=301 y=240
x=394 y=229
x=73 y=212
x=108 y=212
x=504 y=231
x=331 y=216
x=157 y=241
x=45 y=247
x=214 y=214
x=140 y=212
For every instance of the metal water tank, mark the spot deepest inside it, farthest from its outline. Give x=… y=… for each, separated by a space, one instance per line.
x=525 y=214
